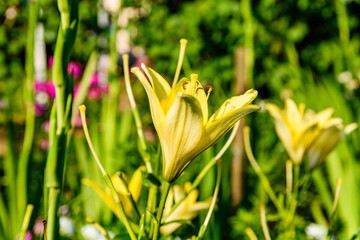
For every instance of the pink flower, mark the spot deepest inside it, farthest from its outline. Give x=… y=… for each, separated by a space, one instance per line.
x=75 y=69
x=28 y=235
x=44 y=144
x=51 y=62
x=38 y=226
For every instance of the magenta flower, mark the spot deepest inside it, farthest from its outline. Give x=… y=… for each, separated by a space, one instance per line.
x=51 y=62
x=28 y=235
x=75 y=69
x=96 y=89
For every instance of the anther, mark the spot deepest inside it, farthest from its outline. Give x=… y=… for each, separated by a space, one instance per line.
x=184 y=84
x=197 y=89
x=210 y=89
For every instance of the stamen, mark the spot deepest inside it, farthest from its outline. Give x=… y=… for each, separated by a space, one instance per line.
x=183 y=43
x=210 y=89
x=82 y=109
x=130 y=94
x=194 y=77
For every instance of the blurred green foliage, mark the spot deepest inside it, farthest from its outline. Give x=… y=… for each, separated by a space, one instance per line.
x=300 y=48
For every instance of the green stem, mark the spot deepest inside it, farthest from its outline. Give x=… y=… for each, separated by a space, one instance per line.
x=145 y=155
x=293 y=203
x=59 y=134
x=23 y=163
x=26 y=220
x=4 y=218
x=160 y=210
x=248 y=40
x=10 y=227
x=213 y=203
x=52 y=226
x=264 y=181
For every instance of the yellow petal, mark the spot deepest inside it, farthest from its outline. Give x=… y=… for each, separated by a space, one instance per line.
x=288 y=137
x=183 y=126
x=107 y=198
x=119 y=185
x=324 y=143
x=215 y=129
x=234 y=103
x=157 y=112
x=351 y=127
x=136 y=182
x=161 y=87
x=190 y=87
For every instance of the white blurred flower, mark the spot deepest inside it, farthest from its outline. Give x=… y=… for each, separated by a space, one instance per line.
x=67 y=228
x=90 y=232
x=112 y=6
x=344 y=77
x=122 y=41
x=316 y=231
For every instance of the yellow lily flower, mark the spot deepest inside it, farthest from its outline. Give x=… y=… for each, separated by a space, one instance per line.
x=306 y=132
x=187 y=210
x=295 y=128
x=180 y=117
x=330 y=132
x=134 y=186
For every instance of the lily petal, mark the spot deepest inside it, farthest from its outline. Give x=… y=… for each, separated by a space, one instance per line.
x=216 y=129
x=157 y=112
x=107 y=198
x=234 y=103
x=184 y=114
x=136 y=183
x=161 y=87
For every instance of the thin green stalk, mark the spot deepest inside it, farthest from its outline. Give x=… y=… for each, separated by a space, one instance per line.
x=26 y=220
x=250 y=234
x=264 y=225
x=264 y=181
x=344 y=35
x=183 y=43
x=84 y=85
x=294 y=195
x=135 y=111
x=164 y=194
x=10 y=227
x=29 y=112
x=4 y=218
x=111 y=100
x=213 y=202
x=246 y=12
x=289 y=180
x=106 y=177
